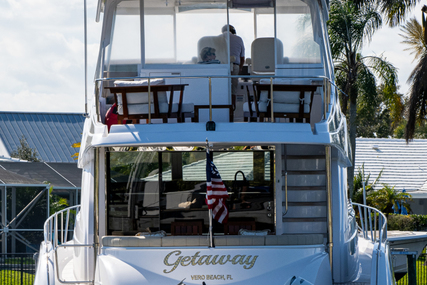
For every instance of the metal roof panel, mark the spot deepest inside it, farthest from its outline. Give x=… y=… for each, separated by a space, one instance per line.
x=404 y=165
x=57 y=174
x=51 y=134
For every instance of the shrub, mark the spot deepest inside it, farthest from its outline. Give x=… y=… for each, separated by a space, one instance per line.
x=419 y=222
x=400 y=222
x=407 y=222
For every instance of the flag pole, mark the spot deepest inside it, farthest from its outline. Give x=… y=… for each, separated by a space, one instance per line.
x=210 y=210
x=210 y=229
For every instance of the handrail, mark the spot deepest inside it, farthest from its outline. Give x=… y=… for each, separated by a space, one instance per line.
x=58 y=233
x=210 y=77
x=369 y=231
x=319 y=77
x=51 y=226
x=286 y=194
x=57 y=266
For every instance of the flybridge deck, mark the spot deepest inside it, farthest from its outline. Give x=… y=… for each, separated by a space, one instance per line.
x=286 y=74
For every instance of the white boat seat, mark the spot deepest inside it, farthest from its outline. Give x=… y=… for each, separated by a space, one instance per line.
x=291 y=99
x=219 y=43
x=263 y=60
x=134 y=109
x=278 y=107
x=246 y=106
x=137 y=103
x=133 y=101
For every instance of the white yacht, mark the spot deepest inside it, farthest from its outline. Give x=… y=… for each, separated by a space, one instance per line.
x=279 y=143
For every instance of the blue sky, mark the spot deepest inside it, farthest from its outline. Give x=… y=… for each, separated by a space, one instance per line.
x=41 y=54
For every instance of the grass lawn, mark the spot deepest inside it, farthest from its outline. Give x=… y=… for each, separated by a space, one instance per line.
x=10 y=277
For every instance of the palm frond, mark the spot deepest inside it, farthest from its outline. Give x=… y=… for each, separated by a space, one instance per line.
x=350 y=27
x=370 y=20
x=383 y=69
x=394 y=102
x=395 y=11
x=414 y=38
x=417 y=97
x=366 y=82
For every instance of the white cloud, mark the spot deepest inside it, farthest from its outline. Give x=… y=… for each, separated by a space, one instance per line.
x=40 y=102
x=42 y=54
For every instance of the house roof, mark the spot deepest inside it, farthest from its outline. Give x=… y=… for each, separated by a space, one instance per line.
x=59 y=175
x=8 y=177
x=51 y=134
x=404 y=165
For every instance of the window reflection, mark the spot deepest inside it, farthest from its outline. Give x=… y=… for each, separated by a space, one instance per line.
x=149 y=191
x=172 y=34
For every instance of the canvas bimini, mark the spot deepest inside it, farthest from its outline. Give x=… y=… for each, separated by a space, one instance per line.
x=278 y=141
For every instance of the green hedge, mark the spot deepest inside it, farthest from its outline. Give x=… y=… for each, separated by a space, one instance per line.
x=407 y=222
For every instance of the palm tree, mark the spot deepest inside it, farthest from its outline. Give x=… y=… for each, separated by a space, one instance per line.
x=349 y=28
x=379 y=112
x=414 y=36
x=394 y=11
x=359 y=178
x=387 y=197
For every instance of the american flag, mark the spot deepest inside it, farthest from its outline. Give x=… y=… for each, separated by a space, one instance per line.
x=216 y=193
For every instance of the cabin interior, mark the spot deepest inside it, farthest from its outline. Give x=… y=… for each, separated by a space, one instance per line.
x=165 y=191
x=274 y=190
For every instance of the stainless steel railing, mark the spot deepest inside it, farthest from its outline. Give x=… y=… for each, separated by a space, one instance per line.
x=57 y=228
x=328 y=102
x=59 y=232
x=372 y=224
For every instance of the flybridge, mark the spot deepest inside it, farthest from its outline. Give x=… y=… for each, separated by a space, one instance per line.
x=157 y=48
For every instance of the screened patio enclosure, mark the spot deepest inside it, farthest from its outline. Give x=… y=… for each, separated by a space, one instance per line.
x=29 y=192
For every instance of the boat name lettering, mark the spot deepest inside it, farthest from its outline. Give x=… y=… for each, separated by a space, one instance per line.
x=175 y=259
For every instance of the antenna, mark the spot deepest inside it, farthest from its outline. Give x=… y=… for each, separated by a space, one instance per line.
x=85 y=55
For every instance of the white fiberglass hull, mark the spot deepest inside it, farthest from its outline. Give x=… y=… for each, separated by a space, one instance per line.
x=236 y=265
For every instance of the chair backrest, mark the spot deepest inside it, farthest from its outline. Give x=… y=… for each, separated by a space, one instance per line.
x=262 y=55
x=219 y=43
